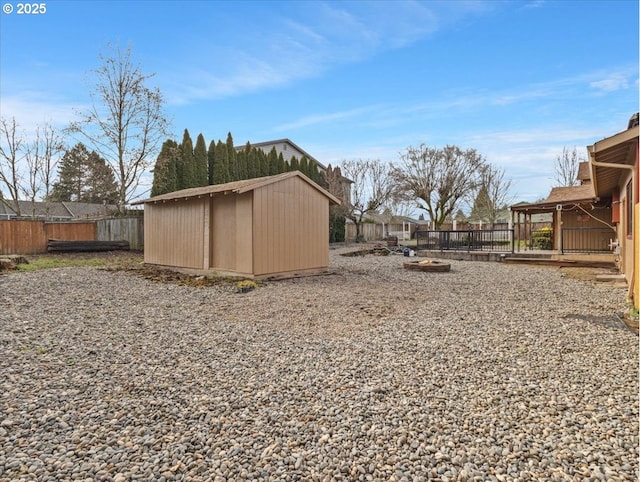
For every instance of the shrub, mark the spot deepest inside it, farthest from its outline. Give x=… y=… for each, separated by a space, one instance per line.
x=542 y=238
x=245 y=286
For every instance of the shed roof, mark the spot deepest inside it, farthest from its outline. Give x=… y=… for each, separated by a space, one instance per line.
x=238 y=187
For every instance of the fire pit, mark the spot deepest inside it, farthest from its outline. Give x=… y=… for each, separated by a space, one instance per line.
x=428 y=266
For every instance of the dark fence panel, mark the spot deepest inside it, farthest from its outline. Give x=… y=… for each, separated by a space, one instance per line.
x=490 y=240
x=586 y=240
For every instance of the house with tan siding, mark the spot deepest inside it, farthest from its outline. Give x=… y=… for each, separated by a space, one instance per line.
x=602 y=213
x=616 y=177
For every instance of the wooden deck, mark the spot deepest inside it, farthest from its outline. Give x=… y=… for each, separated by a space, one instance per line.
x=544 y=258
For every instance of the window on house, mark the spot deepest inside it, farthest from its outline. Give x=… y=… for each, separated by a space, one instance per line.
x=629 y=203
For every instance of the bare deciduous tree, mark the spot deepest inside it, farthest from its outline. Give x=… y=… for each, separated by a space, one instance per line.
x=567 y=167
x=371 y=189
x=41 y=158
x=126 y=123
x=493 y=195
x=438 y=179
x=27 y=166
x=399 y=204
x=11 y=157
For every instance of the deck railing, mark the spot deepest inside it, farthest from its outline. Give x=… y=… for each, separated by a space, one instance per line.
x=490 y=240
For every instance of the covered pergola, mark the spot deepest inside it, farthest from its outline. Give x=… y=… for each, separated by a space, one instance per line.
x=572 y=207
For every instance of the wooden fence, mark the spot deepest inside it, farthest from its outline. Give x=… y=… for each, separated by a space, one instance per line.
x=31 y=237
x=122 y=229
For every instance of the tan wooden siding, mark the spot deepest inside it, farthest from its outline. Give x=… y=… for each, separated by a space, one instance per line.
x=174 y=233
x=30 y=237
x=223 y=233
x=244 y=233
x=626 y=243
x=231 y=233
x=290 y=230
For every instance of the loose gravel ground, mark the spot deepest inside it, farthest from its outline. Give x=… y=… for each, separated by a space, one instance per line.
x=489 y=372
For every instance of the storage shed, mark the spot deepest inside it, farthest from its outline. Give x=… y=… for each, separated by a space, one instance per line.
x=263 y=227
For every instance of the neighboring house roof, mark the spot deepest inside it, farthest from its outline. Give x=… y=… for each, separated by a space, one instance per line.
x=5 y=211
x=584 y=172
x=238 y=187
x=386 y=219
x=54 y=210
x=83 y=210
x=559 y=195
x=281 y=146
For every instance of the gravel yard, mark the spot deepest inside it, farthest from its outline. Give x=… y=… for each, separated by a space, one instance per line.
x=489 y=372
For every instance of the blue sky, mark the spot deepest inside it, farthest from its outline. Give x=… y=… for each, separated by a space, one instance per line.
x=516 y=80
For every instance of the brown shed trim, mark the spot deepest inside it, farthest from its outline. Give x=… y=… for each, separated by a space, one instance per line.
x=238 y=187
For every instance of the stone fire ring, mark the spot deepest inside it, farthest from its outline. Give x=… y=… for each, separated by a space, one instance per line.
x=429 y=267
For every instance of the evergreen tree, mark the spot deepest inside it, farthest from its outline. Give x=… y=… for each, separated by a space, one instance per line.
x=337 y=219
x=241 y=163
x=246 y=166
x=186 y=165
x=101 y=183
x=221 y=168
x=314 y=173
x=211 y=158
x=164 y=173
x=481 y=206
x=272 y=159
x=263 y=163
x=201 y=163
x=282 y=165
x=232 y=162
x=304 y=166
x=294 y=163
x=84 y=176
x=253 y=170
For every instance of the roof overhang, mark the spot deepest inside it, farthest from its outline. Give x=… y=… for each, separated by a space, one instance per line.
x=610 y=158
x=547 y=207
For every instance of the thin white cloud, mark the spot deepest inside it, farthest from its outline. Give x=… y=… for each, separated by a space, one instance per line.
x=282 y=50
x=456 y=102
x=317 y=119
x=534 y=4
x=32 y=110
x=615 y=81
